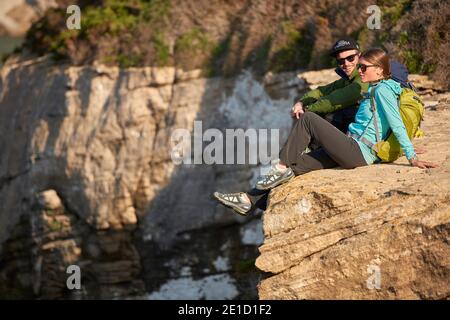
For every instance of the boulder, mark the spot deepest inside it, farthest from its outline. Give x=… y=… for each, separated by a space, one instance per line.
x=375 y=232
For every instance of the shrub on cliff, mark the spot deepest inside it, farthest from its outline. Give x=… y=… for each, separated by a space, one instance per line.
x=421 y=39
x=416 y=33
x=223 y=37
x=127 y=33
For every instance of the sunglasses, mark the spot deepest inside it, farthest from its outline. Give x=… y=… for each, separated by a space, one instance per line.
x=349 y=59
x=364 y=67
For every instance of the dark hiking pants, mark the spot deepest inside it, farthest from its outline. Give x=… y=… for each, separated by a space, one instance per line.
x=336 y=149
x=340 y=119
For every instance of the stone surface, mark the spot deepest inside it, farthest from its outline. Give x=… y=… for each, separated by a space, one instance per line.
x=16 y=16
x=319 y=78
x=49 y=200
x=376 y=232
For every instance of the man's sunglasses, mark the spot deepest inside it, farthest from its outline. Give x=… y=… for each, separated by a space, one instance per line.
x=364 y=67
x=350 y=58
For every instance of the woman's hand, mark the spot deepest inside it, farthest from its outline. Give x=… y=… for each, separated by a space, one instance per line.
x=297 y=110
x=423 y=164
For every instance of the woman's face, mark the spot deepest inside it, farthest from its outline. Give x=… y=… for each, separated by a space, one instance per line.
x=369 y=72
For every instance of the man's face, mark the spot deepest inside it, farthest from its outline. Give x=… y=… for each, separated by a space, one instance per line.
x=347 y=60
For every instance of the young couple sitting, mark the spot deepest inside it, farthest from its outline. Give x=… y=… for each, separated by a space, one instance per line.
x=337 y=139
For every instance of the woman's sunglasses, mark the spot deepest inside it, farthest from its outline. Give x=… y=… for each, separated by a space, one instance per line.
x=350 y=58
x=364 y=67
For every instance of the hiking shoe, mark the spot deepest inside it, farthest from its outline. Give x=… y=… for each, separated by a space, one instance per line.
x=234 y=201
x=274 y=178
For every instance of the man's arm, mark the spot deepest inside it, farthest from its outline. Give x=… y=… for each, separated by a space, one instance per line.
x=312 y=96
x=338 y=99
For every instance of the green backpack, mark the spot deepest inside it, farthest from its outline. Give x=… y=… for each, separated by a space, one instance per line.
x=411 y=110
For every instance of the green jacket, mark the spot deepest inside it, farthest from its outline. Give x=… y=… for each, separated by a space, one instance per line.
x=342 y=93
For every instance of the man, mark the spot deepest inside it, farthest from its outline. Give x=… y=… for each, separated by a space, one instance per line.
x=338 y=101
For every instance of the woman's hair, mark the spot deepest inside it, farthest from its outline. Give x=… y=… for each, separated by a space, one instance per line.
x=380 y=58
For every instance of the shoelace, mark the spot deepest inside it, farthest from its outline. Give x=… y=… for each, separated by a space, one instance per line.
x=232 y=197
x=269 y=177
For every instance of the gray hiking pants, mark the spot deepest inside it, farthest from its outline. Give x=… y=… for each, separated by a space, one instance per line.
x=337 y=149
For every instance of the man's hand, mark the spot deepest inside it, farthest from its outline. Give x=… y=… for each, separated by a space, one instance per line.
x=297 y=110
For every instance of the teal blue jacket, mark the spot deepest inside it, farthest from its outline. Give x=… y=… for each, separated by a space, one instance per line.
x=388 y=116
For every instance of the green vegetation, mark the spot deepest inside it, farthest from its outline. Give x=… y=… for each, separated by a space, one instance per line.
x=295 y=53
x=14 y=292
x=51 y=212
x=192 y=49
x=215 y=65
x=413 y=59
x=136 y=33
x=161 y=48
x=259 y=59
x=412 y=43
x=126 y=28
x=113 y=18
x=125 y=61
x=55 y=225
x=58 y=45
x=245 y=266
x=263 y=51
x=192 y=41
x=132 y=33
x=362 y=36
x=393 y=10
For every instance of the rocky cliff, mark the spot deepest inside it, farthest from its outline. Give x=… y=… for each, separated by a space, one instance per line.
x=378 y=232
x=86 y=178
x=16 y=16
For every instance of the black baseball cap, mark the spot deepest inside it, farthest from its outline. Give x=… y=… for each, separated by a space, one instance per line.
x=343 y=45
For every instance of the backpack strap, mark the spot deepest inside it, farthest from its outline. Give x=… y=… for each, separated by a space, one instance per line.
x=373 y=106
x=362 y=139
x=361 y=136
x=412 y=87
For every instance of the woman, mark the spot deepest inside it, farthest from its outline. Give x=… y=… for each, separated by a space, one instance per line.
x=337 y=149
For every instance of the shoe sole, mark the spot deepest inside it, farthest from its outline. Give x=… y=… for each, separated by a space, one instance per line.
x=276 y=184
x=231 y=205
